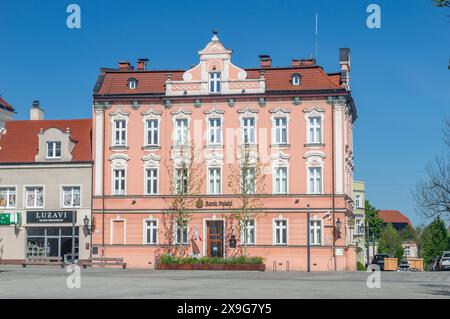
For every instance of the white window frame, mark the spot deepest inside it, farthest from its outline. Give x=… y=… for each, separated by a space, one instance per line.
x=296 y=79
x=152 y=230
x=26 y=196
x=122 y=132
x=275 y=229
x=245 y=232
x=53 y=149
x=181 y=132
x=251 y=130
x=358 y=201
x=317 y=230
x=114 y=192
x=215 y=132
x=275 y=178
x=8 y=195
x=62 y=196
x=255 y=187
x=215 y=82
x=278 y=129
x=150 y=132
x=132 y=84
x=176 y=179
x=310 y=191
x=152 y=178
x=316 y=128
x=209 y=190
x=175 y=235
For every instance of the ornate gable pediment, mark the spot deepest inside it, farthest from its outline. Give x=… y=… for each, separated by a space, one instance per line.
x=215 y=58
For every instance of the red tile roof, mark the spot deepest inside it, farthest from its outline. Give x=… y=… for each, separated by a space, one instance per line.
x=5 y=105
x=20 y=143
x=393 y=216
x=277 y=79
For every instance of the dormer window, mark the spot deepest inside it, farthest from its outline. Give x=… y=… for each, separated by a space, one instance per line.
x=132 y=83
x=296 y=79
x=214 y=82
x=53 y=150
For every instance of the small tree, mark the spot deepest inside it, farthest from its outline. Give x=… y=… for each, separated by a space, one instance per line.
x=441 y=3
x=247 y=181
x=391 y=242
x=186 y=179
x=434 y=240
x=373 y=221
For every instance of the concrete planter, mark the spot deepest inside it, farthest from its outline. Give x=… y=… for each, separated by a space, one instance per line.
x=242 y=267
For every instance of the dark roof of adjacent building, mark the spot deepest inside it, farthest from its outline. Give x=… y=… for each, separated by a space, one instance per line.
x=394 y=217
x=5 y=105
x=20 y=143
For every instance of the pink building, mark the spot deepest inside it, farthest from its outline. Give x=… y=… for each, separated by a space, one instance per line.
x=296 y=123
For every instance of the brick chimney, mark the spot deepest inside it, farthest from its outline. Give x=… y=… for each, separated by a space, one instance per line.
x=265 y=61
x=344 y=61
x=125 y=65
x=142 y=64
x=36 y=113
x=303 y=62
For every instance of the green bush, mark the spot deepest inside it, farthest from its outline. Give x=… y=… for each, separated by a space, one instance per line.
x=169 y=259
x=360 y=266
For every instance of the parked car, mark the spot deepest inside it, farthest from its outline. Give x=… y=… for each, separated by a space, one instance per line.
x=445 y=261
x=379 y=260
x=404 y=265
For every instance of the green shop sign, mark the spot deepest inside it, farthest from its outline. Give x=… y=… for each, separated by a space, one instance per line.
x=5 y=219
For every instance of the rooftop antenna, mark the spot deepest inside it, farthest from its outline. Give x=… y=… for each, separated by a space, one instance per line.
x=317 y=34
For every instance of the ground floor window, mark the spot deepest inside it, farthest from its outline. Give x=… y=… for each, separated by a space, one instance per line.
x=248 y=232
x=51 y=241
x=280 y=232
x=180 y=234
x=151 y=232
x=315 y=230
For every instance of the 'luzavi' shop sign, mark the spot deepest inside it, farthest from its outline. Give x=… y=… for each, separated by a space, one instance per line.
x=50 y=217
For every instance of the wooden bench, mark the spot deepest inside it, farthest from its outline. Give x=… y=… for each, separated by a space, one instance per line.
x=103 y=262
x=43 y=261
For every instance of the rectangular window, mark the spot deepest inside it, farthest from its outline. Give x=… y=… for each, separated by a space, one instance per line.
x=181 y=234
x=181 y=181
x=280 y=130
x=53 y=149
x=215 y=130
x=280 y=231
x=151 y=181
x=7 y=197
x=248 y=232
x=71 y=196
x=119 y=182
x=151 y=232
x=214 y=82
x=315 y=232
x=249 y=181
x=315 y=180
x=358 y=201
x=120 y=132
x=248 y=130
x=152 y=132
x=281 y=180
x=181 y=131
x=215 y=182
x=358 y=227
x=315 y=130
x=34 y=197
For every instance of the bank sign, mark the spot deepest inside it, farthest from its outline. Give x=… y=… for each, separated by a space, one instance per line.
x=43 y=217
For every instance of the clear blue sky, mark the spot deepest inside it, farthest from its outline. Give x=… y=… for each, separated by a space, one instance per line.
x=399 y=79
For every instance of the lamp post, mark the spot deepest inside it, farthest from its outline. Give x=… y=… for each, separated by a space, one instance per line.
x=308 y=244
x=88 y=229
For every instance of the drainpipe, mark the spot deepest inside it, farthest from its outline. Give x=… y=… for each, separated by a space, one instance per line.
x=333 y=170
x=103 y=184
x=308 y=245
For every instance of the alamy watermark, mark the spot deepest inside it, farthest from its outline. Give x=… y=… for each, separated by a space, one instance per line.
x=73 y=21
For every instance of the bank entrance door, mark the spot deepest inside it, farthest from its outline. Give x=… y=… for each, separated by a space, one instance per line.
x=214 y=243
x=51 y=241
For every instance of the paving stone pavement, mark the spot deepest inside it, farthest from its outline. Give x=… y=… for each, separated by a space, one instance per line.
x=51 y=282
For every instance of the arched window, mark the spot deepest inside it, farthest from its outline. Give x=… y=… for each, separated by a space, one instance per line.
x=296 y=79
x=132 y=83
